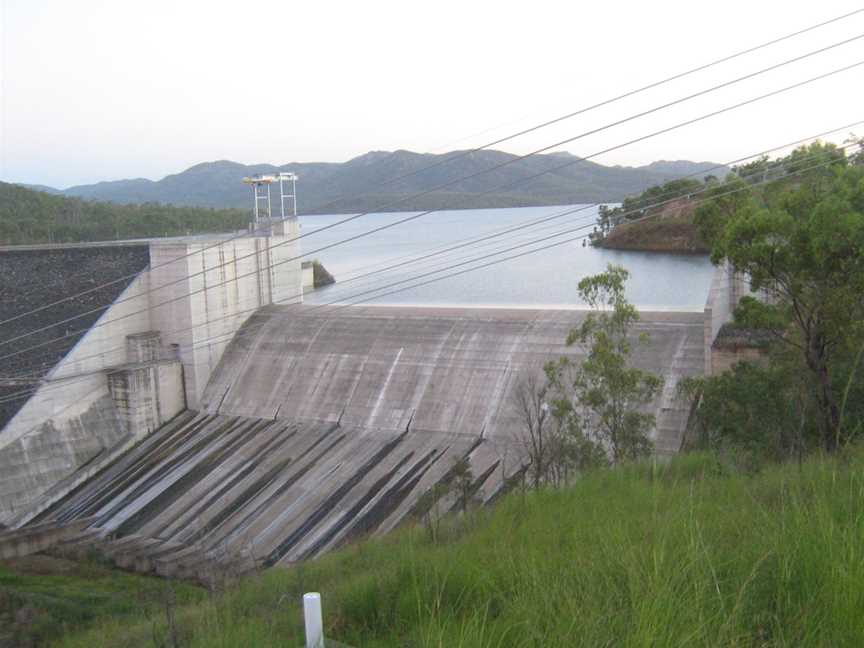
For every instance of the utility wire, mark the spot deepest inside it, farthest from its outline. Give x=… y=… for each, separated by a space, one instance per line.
x=410 y=259
x=308 y=311
x=420 y=214
x=463 y=154
x=312 y=308
x=339 y=304
x=630 y=93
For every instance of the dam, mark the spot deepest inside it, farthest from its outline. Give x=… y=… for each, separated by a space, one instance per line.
x=239 y=422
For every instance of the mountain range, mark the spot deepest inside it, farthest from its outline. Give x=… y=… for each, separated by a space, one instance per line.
x=390 y=180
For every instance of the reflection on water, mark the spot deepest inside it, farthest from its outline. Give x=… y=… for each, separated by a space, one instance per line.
x=546 y=278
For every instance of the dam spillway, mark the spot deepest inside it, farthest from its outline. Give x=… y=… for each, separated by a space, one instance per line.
x=322 y=425
x=439 y=369
x=279 y=491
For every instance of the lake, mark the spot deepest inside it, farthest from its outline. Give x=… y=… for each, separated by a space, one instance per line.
x=545 y=278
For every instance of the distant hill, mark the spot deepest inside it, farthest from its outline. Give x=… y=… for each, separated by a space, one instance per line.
x=366 y=182
x=42 y=188
x=31 y=216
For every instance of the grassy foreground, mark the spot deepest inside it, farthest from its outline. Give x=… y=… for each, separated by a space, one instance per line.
x=43 y=599
x=685 y=554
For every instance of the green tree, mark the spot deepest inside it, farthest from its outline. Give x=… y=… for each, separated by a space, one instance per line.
x=747 y=410
x=802 y=245
x=607 y=394
x=635 y=207
x=719 y=202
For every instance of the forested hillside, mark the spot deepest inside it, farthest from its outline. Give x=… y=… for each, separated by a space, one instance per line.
x=28 y=216
x=368 y=182
x=666 y=217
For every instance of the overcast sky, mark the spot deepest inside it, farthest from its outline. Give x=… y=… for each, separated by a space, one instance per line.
x=98 y=90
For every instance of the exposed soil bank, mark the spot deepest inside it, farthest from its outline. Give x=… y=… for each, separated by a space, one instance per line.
x=670 y=229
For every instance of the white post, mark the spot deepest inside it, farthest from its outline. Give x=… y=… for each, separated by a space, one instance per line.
x=269 y=209
x=314 y=623
x=281 y=197
x=255 y=201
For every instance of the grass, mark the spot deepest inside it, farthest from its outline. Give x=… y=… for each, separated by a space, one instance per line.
x=43 y=598
x=690 y=553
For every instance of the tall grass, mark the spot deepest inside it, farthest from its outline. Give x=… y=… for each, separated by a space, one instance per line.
x=43 y=598
x=684 y=554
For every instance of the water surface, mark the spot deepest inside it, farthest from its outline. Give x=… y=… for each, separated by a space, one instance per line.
x=545 y=278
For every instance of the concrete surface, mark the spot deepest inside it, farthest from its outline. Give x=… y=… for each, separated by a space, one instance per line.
x=323 y=426
x=311 y=426
x=443 y=369
x=308 y=276
x=727 y=289
x=147 y=394
x=37 y=279
x=278 y=491
x=39 y=537
x=202 y=293
x=72 y=417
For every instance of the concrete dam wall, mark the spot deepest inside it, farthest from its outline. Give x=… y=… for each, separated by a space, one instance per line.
x=57 y=416
x=320 y=426
x=87 y=398
x=441 y=369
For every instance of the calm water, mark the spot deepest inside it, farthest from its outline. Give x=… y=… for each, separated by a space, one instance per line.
x=546 y=278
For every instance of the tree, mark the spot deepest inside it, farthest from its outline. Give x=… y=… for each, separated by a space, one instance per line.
x=747 y=409
x=552 y=434
x=606 y=394
x=462 y=484
x=720 y=202
x=635 y=207
x=529 y=401
x=802 y=246
x=40 y=217
x=458 y=483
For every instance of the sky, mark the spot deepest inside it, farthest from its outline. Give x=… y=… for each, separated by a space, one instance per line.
x=97 y=90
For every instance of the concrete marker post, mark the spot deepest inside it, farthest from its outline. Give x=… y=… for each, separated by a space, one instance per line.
x=313 y=620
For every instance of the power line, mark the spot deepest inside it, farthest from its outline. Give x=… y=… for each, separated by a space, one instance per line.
x=549 y=237
x=485 y=146
x=629 y=212
x=630 y=93
x=506 y=185
x=409 y=259
x=340 y=304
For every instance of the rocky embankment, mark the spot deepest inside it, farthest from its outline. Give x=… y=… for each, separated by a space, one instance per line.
x=670 y=229
x=38 y=283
